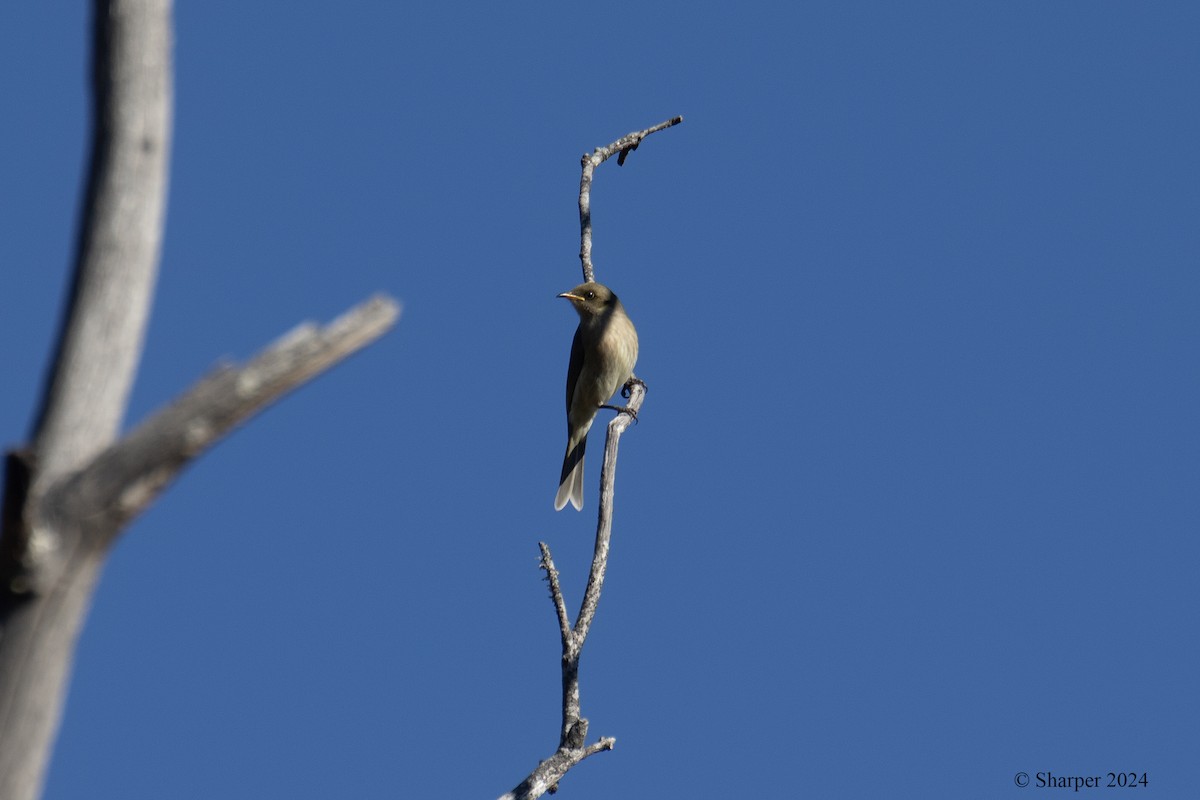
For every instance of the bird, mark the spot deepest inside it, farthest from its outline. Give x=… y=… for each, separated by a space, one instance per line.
x=603 y=354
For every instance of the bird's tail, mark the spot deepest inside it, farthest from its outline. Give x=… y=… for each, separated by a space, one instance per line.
x=570 y=484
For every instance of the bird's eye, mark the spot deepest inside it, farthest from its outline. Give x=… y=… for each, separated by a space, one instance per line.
x=591 y=295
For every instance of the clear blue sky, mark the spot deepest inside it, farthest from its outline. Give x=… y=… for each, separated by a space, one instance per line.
x=913 y=504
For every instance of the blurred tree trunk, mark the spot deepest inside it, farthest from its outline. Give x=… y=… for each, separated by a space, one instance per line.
x=75 y=487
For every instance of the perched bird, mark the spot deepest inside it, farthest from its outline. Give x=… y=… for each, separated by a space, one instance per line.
x=602 y=358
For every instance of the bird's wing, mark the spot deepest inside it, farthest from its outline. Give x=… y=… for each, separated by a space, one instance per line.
x=574 y=368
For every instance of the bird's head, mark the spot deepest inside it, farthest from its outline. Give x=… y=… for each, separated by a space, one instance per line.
x=592 y=299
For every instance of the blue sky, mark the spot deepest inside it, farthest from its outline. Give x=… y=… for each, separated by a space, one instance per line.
x=913 y=501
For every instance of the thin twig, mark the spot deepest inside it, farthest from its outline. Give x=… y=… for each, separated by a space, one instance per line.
x=608 y=478
x=625 y=145
x=560 y=605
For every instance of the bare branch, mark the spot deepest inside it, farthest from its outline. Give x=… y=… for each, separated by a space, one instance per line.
x=120 y=233
x=560 y=605
x=546 y=776
x=608 y=478
x=54 y=541
x=87 y=388
x=68 y=495
x=573 y=735
x=574 y=731
x=124 y=479
x=625 y=145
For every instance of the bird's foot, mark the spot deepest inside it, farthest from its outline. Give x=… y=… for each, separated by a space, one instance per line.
x=621 y=410
x=627 y=389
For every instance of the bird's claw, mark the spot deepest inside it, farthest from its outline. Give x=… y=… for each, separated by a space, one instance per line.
x=627 y=390
x=622 y=410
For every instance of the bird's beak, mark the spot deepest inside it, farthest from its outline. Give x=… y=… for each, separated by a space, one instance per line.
x=570 y=296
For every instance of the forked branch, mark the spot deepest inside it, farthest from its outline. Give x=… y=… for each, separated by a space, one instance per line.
x=70 y=491
x=572 y=747
x=125 y=478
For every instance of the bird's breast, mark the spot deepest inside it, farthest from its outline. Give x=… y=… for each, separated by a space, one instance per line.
x=609 y=358
x=619 y=349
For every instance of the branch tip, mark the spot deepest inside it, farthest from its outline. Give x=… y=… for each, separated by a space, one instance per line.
x=589 y=161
